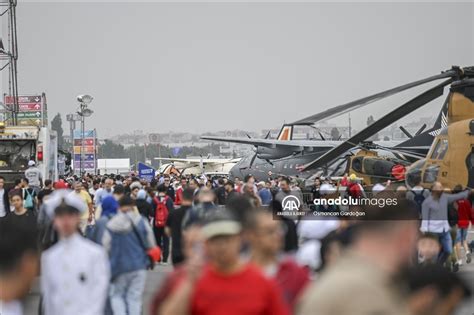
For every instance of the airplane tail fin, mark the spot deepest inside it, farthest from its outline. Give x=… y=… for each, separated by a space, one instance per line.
x=424 y=139
x=441 y=121
x=286 y=133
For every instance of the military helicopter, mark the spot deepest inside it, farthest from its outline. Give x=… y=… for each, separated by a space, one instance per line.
x=450 y=159
x=371 y=164
x=451 y=156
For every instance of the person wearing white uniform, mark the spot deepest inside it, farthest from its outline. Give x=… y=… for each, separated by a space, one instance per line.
x=75 y=272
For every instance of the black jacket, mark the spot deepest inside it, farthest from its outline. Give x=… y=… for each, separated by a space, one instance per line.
x=170 y=192
x=220 y=195
x=6 y=201
x=144 y=208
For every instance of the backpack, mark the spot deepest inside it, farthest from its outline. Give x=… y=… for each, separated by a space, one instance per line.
x=453 y=215
x=28 y=203
x=418 y=198
x=161 y=211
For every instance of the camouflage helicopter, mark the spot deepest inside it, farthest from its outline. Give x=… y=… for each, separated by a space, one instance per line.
x=372 y=164
x=450 y=159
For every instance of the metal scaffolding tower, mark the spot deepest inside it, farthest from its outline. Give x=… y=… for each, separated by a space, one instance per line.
x=9 y=54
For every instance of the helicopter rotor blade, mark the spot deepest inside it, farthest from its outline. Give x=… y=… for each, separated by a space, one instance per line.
x=401 y=152
x=380 y=124
x=341 y=109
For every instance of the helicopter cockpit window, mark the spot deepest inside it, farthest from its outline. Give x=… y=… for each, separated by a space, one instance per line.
x=357 y=164
x=377 y=167
x=431 y=174
x=440 y=150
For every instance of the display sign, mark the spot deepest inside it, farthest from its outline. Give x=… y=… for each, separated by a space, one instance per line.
x=85 y=151
x=146 y=172
x=87 y=142
x=31 y=110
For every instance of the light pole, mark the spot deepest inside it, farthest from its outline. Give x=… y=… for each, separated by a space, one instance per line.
x=84 y=101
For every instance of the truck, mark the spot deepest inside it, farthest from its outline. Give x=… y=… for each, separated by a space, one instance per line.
x=20 y=144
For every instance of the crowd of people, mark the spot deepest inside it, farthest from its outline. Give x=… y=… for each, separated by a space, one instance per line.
x=93 y=239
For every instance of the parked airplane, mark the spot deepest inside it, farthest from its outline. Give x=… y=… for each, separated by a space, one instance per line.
x=202 y=165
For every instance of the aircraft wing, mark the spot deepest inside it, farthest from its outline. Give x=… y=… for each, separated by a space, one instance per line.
x=198 y=161
x=273 y=143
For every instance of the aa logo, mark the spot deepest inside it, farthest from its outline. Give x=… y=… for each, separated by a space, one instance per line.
x=290 y=203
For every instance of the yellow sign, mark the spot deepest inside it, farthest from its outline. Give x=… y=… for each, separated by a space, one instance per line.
x=86 y=150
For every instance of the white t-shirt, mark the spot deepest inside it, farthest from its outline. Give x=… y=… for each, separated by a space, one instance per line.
x=11 y=308
x=34 y=176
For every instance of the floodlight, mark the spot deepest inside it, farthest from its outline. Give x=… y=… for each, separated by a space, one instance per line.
x=85 y=99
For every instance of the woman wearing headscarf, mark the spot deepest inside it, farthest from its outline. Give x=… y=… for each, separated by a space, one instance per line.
x=109 y=209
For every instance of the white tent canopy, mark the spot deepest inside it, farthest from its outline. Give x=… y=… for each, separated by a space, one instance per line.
x=115 y=166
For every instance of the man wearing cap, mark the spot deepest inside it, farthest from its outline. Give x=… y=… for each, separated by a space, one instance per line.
x=75 y=272
x=34 y=176
x=225 y=284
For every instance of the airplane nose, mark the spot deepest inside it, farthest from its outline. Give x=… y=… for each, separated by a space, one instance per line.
x=234 y=172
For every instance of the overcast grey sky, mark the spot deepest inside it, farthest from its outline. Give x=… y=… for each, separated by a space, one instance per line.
x=208 y=66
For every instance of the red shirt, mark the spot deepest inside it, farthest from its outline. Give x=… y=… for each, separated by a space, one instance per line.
x=238 y=188
x=464 y=213
x=355 y=190
x=179 y=196
x=169 y=285
x=246 y=292
x=292 y=279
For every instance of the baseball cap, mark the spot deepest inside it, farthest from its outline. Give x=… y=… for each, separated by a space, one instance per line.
x=218 y=222
x=31 y=163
